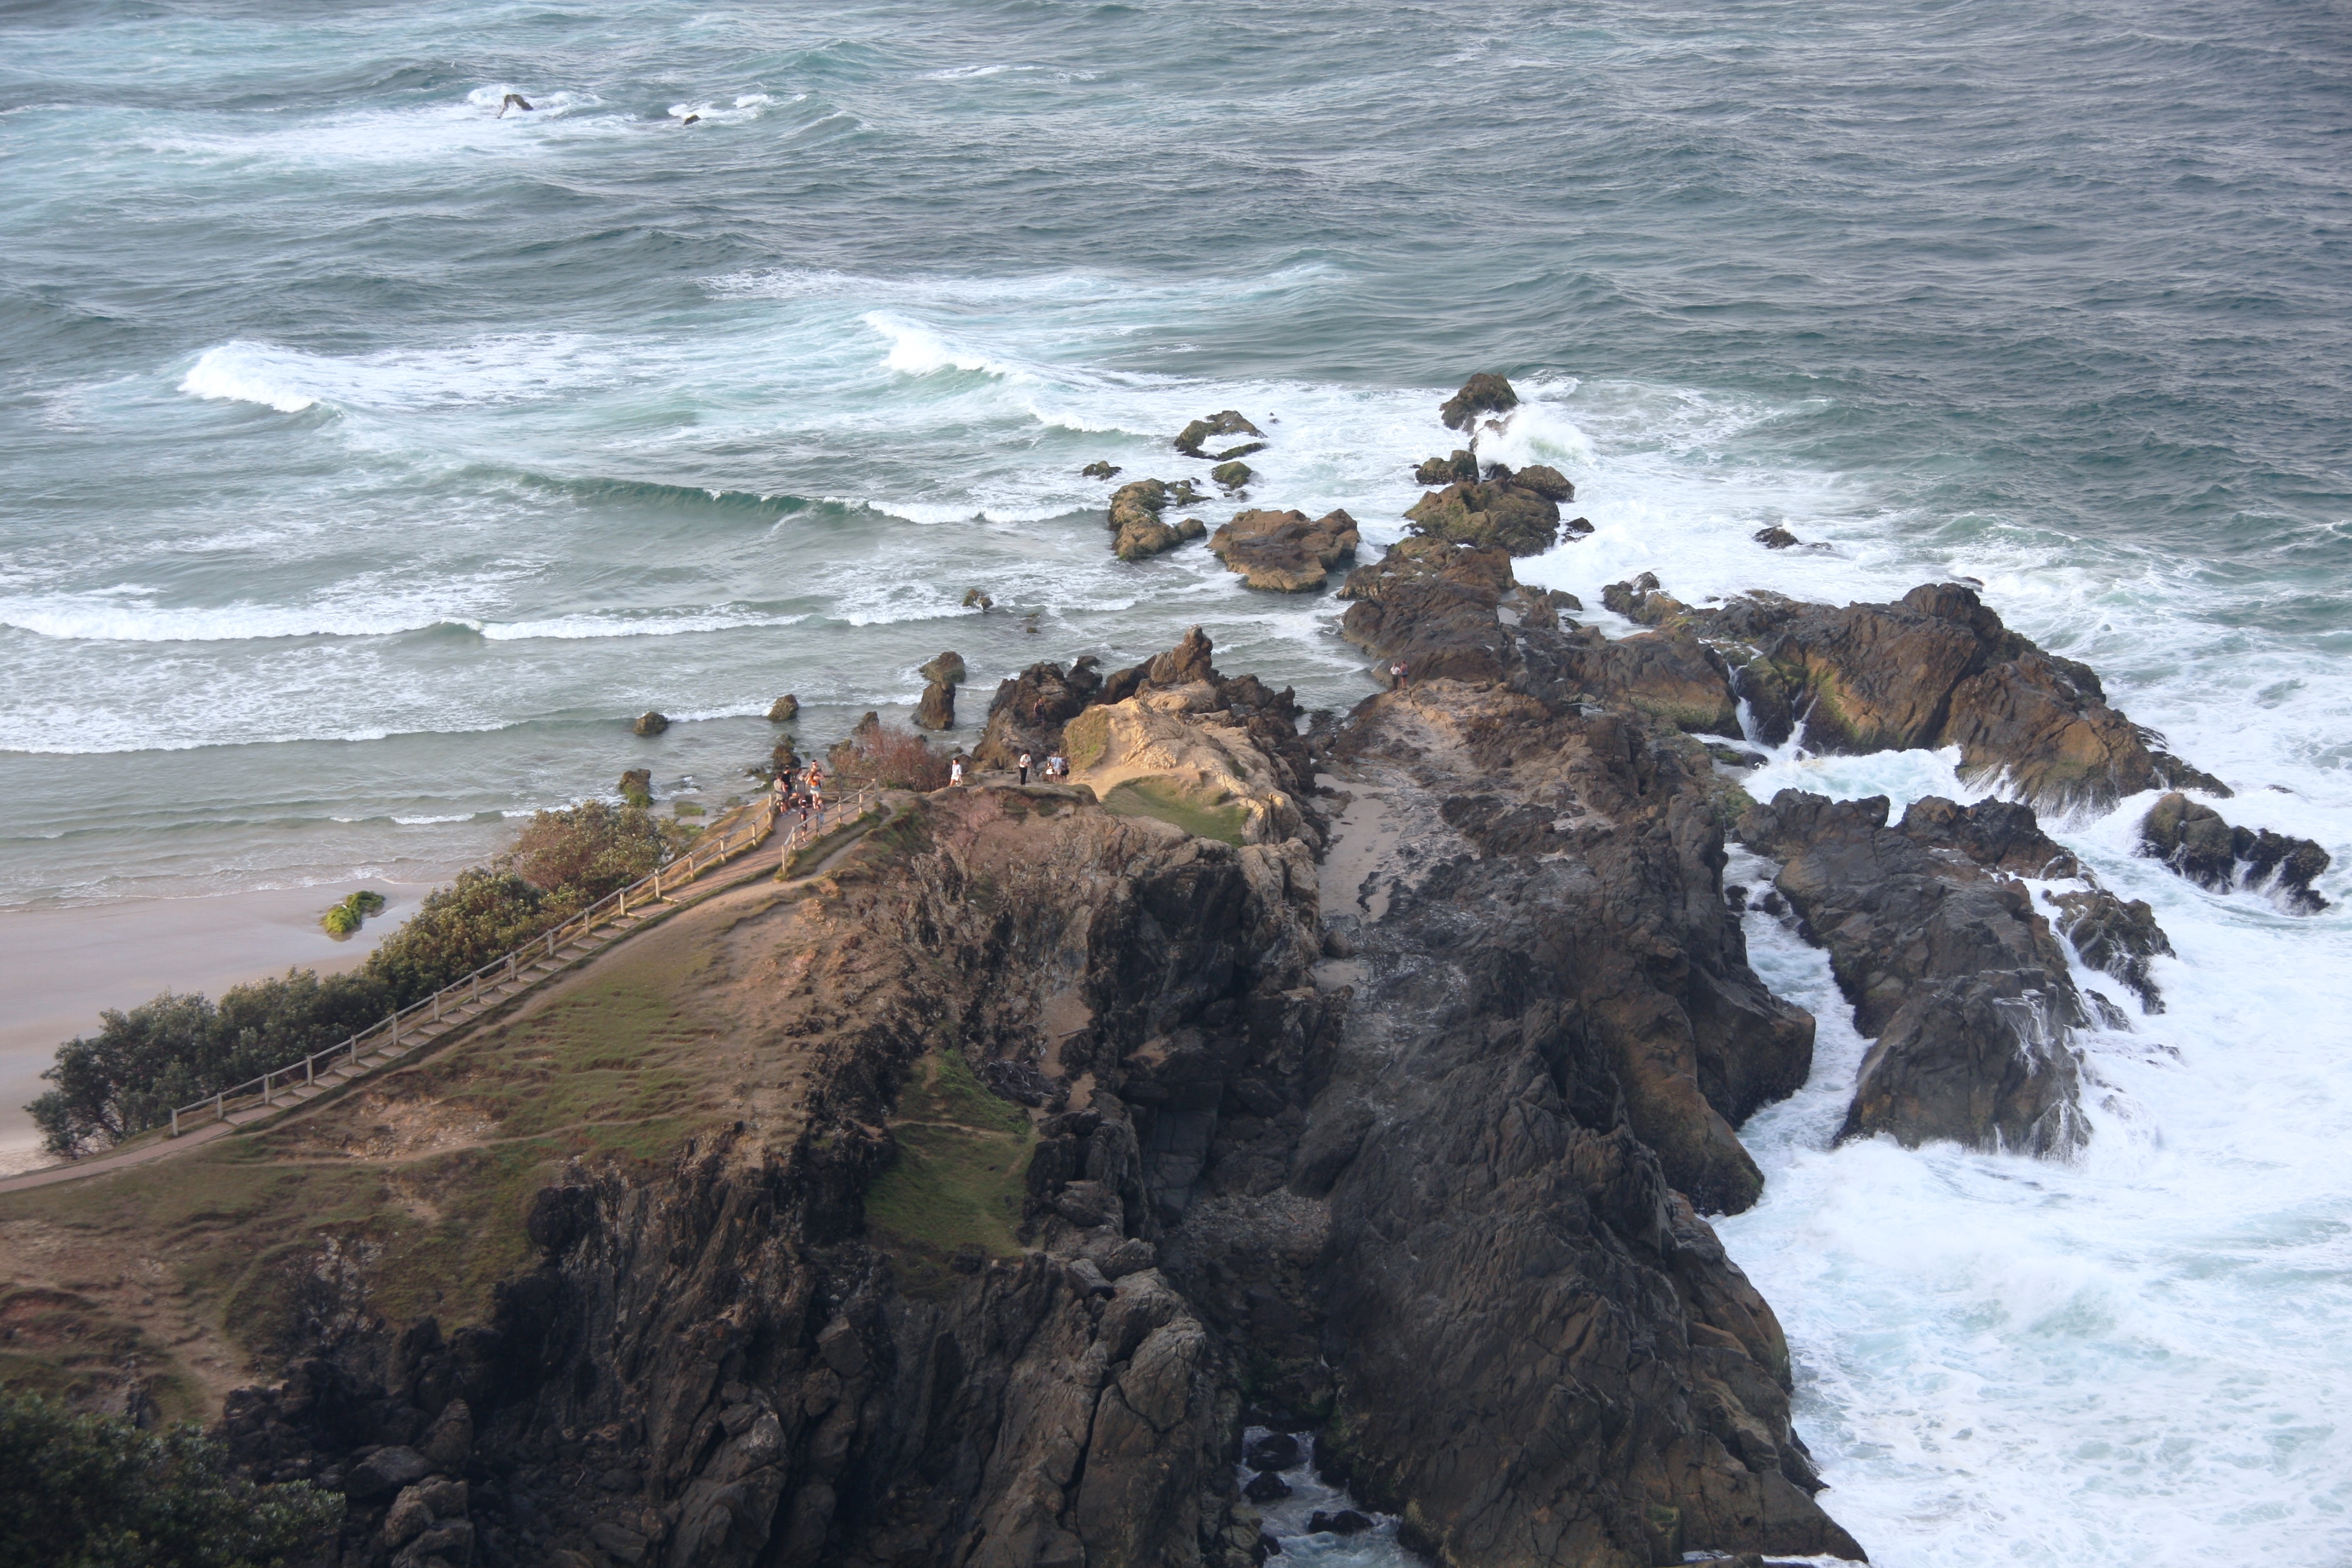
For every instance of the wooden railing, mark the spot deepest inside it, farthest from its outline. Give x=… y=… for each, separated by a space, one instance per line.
x=513 y=967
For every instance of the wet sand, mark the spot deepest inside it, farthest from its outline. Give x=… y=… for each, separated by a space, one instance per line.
x=60 y=968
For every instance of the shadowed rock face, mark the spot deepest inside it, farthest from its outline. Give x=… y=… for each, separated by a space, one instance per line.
x=2195 y=841
x=1949 y=968
x=1541 y=1355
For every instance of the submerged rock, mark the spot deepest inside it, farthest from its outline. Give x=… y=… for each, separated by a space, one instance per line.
x=1777 y=538
x=2193 y=839
x=784 y=709
x=650 y=723
x=637 y=786
x=1285 y=550
x=1100 y=469
x=1232 y=476
x=974 y=599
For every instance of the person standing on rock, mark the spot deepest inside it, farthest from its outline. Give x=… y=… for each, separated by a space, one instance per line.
x=1056 y=766
x=955 y=772
x=783 y=789
x=1396 y=674
x=1025 y=767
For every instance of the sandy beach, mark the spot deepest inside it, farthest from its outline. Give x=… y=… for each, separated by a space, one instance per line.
x=64 y=966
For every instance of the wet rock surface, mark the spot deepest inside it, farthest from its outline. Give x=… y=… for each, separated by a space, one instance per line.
x=1136 y=528
x=2193 y=839
x=1936 y=668
x=1287 y=551
x=1950 y=969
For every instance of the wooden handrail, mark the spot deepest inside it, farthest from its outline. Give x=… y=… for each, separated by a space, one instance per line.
x=509 y=967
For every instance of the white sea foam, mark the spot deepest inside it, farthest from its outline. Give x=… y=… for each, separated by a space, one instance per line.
x=123 y=619
x=506 y=368
x=2134 y=1356
x=635 y=624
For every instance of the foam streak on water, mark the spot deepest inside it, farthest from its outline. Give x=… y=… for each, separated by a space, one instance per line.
x=373 y=459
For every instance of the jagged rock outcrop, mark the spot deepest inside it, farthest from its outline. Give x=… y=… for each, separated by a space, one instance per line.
x=1949 y=966
x=2193 y=839
x=1553 y=1031
x=1937 y=668
x=1285 y=550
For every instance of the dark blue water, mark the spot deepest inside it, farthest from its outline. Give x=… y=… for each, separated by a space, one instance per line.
x=370 y=458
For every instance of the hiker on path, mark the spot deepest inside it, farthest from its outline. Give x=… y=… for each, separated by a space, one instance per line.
x=1025 y=767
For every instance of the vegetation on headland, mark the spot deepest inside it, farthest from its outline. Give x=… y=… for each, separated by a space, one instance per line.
x=126 y=1078
x=95 y=1491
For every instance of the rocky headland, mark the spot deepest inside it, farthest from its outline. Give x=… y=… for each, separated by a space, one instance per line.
x=963 y=1197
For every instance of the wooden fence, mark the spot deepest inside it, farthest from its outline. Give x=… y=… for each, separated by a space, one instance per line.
x=514 y=970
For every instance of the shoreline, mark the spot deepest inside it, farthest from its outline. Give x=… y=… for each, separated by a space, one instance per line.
x=68 y=964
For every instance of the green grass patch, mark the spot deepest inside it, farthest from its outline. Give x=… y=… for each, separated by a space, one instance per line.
x=958 y=1180
x=1169 y=800
x=1084 y=738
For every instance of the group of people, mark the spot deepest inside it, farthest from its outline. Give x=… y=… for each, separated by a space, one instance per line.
x=1057 y=766
x=799 y=793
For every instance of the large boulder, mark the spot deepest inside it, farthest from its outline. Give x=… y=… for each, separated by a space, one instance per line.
x=1285 y=550
x=2193 y=839
x=784 y=709
x=937 y=708
x=1946 y=961
x=1482 y=394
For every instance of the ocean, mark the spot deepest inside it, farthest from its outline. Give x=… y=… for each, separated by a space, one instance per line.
x=372 y=459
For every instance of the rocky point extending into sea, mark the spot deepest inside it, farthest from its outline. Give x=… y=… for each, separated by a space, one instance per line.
x=1364 y=1077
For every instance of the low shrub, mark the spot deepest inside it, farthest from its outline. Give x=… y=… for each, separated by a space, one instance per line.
x=890 y=755
x=94 y=1491
x=176 y=1050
